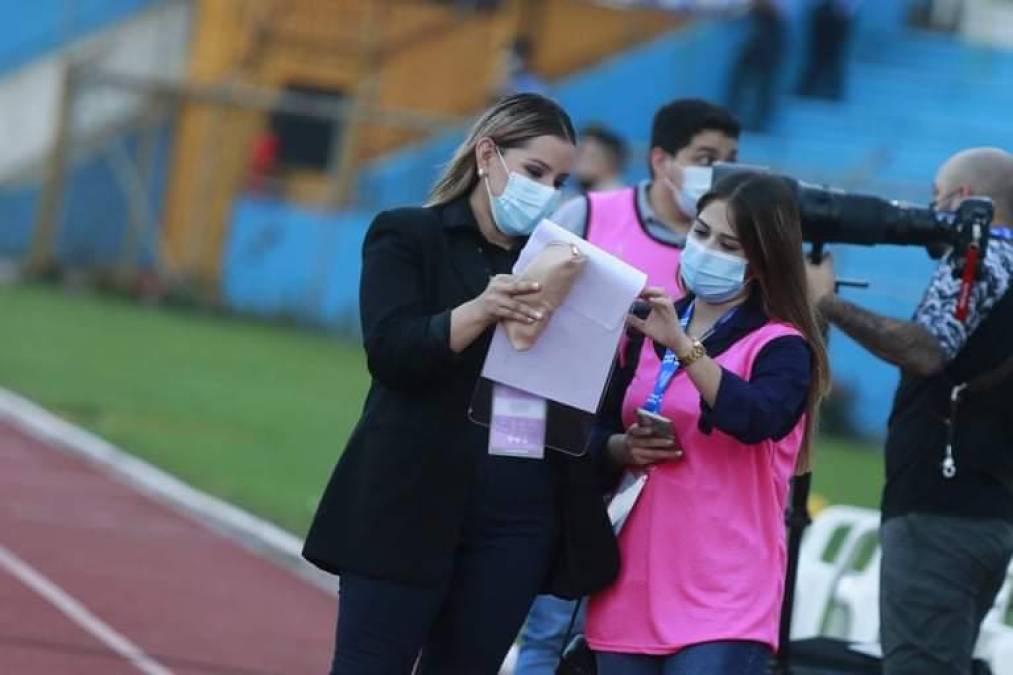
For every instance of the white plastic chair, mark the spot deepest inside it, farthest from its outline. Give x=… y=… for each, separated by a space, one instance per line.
x=1001 y=660
x=826 y=549
x=853 y=613
x=995 y=631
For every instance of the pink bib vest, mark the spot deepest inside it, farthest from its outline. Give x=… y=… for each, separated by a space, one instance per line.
x=613 y=224
x=703 y=551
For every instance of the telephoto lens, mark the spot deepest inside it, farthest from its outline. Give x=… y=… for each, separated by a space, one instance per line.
x=830 y=215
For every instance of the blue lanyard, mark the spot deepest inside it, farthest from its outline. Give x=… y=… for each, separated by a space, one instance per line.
x=670 y=362
x=669 y=367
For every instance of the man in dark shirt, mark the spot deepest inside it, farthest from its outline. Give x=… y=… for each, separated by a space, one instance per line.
x=946 y=540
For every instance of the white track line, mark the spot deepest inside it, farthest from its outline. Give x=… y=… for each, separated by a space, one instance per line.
x=79 y=614
x=255 y=533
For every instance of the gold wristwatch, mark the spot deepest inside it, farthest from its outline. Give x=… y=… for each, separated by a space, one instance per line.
x=695 y=353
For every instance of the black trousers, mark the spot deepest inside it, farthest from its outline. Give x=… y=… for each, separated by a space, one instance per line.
x=466 y=624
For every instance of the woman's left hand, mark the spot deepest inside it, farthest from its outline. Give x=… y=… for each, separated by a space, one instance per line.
x=662 y=324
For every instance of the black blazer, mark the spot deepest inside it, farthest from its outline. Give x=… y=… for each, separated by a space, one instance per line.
x=395 y=502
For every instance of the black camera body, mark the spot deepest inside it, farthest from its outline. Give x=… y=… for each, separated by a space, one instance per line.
x=830 y=215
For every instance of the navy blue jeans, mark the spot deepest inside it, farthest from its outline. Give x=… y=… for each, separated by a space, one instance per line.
x=709 y=658
x=464 y=626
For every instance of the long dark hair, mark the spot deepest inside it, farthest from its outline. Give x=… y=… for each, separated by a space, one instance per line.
x=511 y=122
x=764 y=213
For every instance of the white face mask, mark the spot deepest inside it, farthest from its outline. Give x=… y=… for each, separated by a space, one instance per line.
x=696 y=181
x=523 y=203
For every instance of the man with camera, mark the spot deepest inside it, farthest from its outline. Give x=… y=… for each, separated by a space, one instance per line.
x=947 y=533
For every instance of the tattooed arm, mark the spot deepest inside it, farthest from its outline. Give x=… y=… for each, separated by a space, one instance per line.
x=907 y=344
x=903 y=343
x=925 y=345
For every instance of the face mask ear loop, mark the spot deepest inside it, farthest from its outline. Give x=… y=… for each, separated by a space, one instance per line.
x=484 y=173
x=668 y=179
x=503 y=162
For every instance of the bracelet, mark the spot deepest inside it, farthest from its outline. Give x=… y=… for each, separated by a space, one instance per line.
x=696 y=352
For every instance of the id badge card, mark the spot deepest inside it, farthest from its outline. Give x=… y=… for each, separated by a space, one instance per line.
x=517 y=428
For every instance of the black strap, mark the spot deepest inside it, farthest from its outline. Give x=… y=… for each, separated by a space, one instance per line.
x=991 y=378
x=984 y=382
x=569 y=628
x=993 y=341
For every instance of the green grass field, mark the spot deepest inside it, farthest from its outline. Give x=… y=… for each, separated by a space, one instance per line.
x=254 y=413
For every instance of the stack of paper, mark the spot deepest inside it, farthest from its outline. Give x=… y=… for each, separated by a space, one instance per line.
x=571 y=361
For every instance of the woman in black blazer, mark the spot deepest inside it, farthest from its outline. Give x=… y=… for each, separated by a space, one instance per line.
x=441 y=547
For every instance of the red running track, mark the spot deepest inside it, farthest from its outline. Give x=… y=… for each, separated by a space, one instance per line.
x=190 y=601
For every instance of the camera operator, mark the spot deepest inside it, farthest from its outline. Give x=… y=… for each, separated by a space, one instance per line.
x=946 y=539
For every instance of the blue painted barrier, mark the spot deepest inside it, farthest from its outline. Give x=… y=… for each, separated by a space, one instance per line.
x=286 y=261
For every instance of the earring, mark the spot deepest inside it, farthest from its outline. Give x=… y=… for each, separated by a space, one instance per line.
x=481 y=173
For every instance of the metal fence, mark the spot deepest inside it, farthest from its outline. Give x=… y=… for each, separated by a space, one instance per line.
x=121 y=201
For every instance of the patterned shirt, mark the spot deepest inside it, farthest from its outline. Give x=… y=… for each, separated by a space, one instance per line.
x=936 y=313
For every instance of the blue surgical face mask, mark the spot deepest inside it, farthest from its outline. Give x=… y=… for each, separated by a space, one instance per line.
x=696 y=181
x=523 y=203
x=712 y=276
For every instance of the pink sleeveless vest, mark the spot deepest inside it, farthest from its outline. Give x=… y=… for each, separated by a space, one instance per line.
x=614 y=225
x=703 y=551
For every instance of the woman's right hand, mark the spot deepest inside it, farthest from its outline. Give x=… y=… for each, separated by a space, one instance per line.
x=639 y=447
x=501 y=299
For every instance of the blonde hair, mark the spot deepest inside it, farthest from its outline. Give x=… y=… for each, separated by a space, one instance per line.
x=512 y=122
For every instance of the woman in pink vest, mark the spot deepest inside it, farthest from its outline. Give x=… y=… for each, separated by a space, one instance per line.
x=737 y=368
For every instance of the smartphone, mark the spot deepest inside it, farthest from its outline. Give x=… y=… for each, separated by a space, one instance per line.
x=659 y=426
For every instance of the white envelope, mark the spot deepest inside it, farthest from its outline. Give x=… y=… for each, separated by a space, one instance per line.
x=572 y=358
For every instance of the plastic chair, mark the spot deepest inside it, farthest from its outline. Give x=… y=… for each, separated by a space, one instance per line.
x=826 y=549
x=853 y=612
x=997 y=627
x=1001 y=660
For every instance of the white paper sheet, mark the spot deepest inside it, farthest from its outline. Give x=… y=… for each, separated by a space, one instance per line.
x=625 y=498
x=572 y=358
